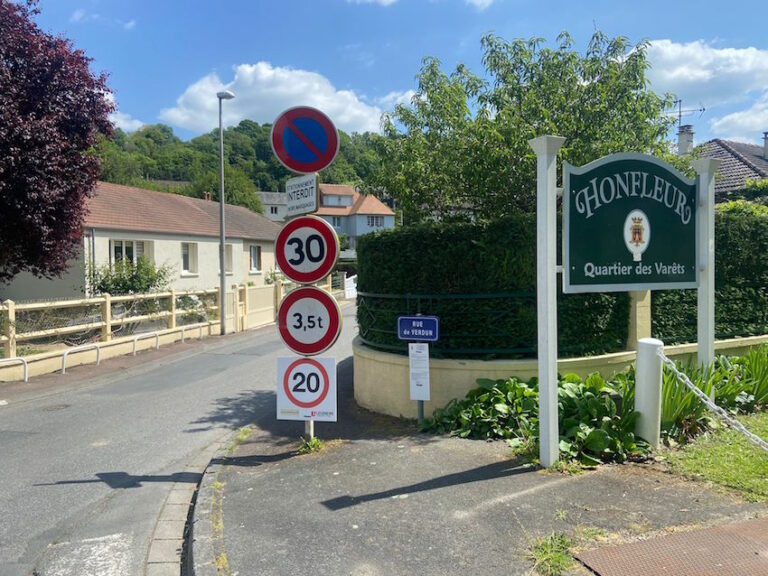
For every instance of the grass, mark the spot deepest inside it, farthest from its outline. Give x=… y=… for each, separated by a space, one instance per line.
x=550 y=555
x=725 y=457
x=242 y=435
x=314 y=444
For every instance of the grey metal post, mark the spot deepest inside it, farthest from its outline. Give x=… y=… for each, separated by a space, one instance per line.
x=225 y=95
x=222 y=235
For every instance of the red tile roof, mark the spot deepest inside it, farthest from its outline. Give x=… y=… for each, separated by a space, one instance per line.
x=117 y=207
x=361 y=204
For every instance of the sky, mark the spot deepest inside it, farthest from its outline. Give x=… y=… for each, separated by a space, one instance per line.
x=354 y=59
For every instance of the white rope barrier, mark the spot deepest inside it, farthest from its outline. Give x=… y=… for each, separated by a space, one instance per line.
x=720 y=412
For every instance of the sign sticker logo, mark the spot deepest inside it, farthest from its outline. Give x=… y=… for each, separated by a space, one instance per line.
x=637 y=234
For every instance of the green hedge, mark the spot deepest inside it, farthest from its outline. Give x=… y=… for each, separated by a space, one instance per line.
x=741 y=280
x=480 y=279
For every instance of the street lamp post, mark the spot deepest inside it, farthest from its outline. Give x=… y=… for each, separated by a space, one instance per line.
x=224 y=95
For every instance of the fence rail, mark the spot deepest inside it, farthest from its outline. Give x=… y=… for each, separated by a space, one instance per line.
x=84 y=321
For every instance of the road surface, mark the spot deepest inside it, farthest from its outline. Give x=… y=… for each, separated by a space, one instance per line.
x=87 y=459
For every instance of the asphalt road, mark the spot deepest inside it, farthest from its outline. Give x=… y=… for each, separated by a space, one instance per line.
x=87 y=459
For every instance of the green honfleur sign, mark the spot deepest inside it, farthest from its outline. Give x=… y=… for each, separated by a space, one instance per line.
x=629 y=223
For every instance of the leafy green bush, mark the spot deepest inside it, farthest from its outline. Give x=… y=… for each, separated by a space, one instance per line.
x=480 y=279
x=596 y=418
x=126 y=277
x=741 y=280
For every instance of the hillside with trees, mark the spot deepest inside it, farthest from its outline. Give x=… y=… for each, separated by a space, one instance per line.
x=154 y=157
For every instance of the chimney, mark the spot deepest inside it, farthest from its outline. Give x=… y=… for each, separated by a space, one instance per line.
x=765 y=145
x=207 y=196
x=685 y=140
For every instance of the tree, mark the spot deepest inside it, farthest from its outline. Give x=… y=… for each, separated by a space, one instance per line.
x=52 y=109
x=238 y=188
x=460 y=149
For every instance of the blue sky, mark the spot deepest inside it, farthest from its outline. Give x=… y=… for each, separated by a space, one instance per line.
x=354 y=59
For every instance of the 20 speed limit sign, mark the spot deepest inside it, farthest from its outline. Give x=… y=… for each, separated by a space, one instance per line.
x=309 y=320
x=306 y=249
x=306 y=389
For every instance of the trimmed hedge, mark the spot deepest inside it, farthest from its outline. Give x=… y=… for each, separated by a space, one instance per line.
x=741 y=280
x=480 y=279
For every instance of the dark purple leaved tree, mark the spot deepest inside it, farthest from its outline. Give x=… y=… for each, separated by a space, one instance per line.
x=51 y=110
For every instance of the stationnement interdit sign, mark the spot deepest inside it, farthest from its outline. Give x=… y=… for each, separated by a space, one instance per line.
x=629 y=223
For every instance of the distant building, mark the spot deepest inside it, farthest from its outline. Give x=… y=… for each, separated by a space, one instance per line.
x=124 y=223
x=274 y=205
x=352 y=213
x=739 y=161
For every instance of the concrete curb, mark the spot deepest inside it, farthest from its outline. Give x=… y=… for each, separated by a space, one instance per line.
x=201 y=550
x=164 y=554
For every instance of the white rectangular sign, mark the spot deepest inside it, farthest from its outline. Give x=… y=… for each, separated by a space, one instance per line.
x=301 y=195
x=418 y=354
x=306 y=389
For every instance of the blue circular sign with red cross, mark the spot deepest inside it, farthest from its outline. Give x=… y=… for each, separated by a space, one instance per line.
x=304 y=140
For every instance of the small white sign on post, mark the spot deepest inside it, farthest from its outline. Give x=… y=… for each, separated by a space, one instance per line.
x=418 y=354
x=301 y=195
x=306 y=389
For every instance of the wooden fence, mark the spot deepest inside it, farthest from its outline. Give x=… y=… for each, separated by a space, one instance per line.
x=111 y=321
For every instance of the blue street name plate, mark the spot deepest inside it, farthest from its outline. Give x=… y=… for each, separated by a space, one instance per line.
x=418 y=328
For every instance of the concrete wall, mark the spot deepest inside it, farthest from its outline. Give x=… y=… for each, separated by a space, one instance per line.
x=382 y=378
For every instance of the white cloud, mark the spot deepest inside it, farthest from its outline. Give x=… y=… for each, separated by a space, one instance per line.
x=745 y=125
x=389 y=101
x=125 y=121
x=130 y=25
x=122 y=120
x=262 y=91
x=698 y=72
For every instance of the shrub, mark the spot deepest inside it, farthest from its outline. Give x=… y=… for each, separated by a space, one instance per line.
x=126 y=277
x=596 y=418
x=480 y=279
x=741 y=280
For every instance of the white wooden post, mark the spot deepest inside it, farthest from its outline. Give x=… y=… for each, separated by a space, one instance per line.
x=106 y=318
x=546 y=148
x=648 y=390
x=706 y=168
x=10 y=329
x=172 y=310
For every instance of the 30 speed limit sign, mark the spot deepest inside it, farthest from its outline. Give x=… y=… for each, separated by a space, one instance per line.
x=306 y=249
x=309 y=320
x=306 y=389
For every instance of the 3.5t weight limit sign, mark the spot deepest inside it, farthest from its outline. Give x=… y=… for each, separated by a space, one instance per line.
x=309 y=320
x=307 y=249
x=306 y=389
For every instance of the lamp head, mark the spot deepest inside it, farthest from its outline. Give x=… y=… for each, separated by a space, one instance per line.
x=225 y=95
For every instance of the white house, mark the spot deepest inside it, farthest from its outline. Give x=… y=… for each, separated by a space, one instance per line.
x=124 y=222
x=274 y=205
x=352 y=213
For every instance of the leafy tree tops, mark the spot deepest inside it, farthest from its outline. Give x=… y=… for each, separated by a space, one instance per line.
x=460 y=148
x=155 y=153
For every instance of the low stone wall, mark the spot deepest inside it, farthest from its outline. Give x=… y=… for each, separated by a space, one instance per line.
x=381 y=378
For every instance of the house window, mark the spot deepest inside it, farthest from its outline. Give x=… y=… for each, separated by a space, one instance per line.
x=375 y=221
x=273 y=209
x=188 y=258
x=130 y=250
x=336 y=221
x=255 y=258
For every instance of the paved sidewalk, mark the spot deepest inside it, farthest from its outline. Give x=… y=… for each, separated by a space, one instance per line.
x=385 y=500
